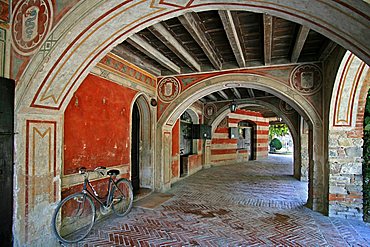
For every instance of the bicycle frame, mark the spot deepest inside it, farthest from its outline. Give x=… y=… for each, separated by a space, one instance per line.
x=95 y=195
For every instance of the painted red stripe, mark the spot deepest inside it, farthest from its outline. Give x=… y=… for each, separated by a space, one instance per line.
x=222 y=130
x=224 y=141
x=248 y=113
x=223 y=151
x=262 y=140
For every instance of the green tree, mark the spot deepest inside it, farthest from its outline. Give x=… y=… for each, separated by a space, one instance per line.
x=276 y=144
x=278 y=130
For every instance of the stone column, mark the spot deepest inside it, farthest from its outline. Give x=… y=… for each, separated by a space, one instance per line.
x=37 y=178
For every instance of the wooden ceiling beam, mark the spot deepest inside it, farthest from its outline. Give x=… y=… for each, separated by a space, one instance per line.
x=192 y=23
x=223 y=95
x=299 y=43
x=267 y=36
x=251 y=93
x=232 y=35
x=212 y=97
x=327 y=50
x=171 y=42
x=236 y=93
x=128 y=55
x=144 y=46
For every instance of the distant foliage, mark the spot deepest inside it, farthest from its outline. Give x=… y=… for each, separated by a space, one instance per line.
x=278 y=130
x=366 y=164
x=276 y=143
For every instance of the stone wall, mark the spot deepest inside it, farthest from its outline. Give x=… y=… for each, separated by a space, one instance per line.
x=346 y=139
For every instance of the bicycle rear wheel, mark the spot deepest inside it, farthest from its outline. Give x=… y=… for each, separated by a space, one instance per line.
x=122 y=197
x=73 y=218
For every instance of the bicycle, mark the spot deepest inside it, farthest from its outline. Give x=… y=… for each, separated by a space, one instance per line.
x=74 y=216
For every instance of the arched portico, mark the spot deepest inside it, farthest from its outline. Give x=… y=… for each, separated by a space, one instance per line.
x=73 y=48
x=318 y=176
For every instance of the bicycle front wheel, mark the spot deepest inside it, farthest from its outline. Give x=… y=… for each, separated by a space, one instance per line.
x=73 y=218
x=122 y=197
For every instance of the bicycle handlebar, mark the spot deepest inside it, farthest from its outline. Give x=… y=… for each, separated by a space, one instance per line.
x=83 y=170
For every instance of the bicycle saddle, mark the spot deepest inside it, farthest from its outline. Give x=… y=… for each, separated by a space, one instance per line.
x=113 y=172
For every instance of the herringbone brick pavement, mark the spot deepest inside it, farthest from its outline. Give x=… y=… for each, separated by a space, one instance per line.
x=252 y=204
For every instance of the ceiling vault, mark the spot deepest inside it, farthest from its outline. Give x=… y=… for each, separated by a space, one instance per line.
x=221 y=40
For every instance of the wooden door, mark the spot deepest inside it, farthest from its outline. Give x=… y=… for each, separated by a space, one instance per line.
x=6 y=159
x=135 y=149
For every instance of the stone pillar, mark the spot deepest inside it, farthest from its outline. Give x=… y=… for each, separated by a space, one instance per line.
x=304 y=151
x=37 y=178
x=166 y=158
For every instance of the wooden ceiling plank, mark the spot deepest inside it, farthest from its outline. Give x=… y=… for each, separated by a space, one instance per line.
x=192 y=24
x=171 y=42
x=267 y=31
x=131 y=57
x=223 y=95
x=299 y=43
x=327 y=50
x=144 y=46
x=232 y=35
x=236 y=93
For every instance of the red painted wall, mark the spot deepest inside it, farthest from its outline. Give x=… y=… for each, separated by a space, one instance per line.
x=97 y=125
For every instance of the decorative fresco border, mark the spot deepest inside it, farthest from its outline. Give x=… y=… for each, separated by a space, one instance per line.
x=2 y=51
x=38 y=130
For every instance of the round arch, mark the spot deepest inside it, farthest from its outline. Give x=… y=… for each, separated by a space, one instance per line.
x=318 y=179
x=52 y=76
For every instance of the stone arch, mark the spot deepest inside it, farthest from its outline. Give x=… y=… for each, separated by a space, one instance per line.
x=345 y=137
x=318 y=179
x=83 y=46
x=146 y=141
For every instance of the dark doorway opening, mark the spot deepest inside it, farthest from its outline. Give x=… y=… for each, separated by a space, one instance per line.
x=135 y=149
x=6 y=159
x=247 y=138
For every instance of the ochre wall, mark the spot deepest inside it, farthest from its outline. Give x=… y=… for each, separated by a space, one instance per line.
x=97 y=125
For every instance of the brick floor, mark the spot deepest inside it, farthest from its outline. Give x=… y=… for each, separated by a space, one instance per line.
x=253 y=204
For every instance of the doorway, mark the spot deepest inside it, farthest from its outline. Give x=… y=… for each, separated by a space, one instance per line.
x=247 y=139
x=135 y=149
